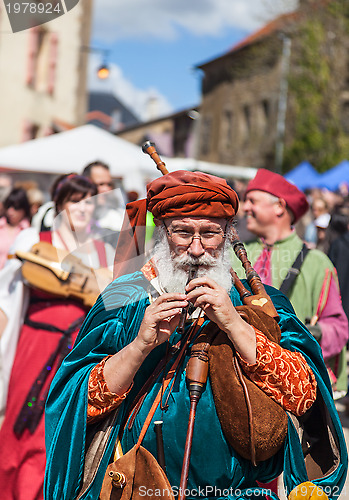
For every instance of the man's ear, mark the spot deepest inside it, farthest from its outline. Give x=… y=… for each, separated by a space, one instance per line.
x=280 y=207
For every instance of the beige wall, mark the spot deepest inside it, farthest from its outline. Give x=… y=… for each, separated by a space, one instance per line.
x=20 y=103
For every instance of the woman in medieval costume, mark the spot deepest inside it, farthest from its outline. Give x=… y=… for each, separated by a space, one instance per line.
x=42 y=324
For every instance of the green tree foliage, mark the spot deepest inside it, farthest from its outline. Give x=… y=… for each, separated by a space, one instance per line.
x=316 y=80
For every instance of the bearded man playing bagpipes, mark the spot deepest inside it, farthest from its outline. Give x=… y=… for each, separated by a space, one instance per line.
x=179 y=339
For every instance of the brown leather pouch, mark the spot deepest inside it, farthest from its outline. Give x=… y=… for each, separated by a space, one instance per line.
x=135 y=475
x=253 y=424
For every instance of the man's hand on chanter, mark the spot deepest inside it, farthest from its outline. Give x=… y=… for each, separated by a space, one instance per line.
x=216 y=303
x=161 y=319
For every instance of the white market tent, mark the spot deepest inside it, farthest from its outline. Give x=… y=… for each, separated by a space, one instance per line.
x=225 y=171
x=72 y=150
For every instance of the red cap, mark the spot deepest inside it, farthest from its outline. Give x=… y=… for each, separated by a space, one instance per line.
x=275 y=184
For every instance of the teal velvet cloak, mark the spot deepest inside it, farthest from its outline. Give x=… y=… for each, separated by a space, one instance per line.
x=216 y=470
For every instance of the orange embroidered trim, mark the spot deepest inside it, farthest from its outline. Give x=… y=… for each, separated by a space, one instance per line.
x=100 y=399
x=149 y=270
x=284 y=375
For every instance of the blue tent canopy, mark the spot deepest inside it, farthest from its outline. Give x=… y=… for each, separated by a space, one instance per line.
x=334 y=177
x=304 y=176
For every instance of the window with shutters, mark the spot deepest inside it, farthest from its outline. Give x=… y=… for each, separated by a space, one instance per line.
x=42 y=60
x=227 y=130
x=205 y=136
x=30 y=130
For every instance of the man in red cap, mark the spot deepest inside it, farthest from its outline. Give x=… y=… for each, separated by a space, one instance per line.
x=123 y=363
x=272 y=206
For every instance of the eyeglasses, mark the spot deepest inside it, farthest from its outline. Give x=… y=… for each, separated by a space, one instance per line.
x=208 y=239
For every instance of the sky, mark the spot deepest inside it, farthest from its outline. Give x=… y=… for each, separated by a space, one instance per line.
x=153 y=47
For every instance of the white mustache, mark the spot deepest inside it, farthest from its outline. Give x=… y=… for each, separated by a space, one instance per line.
x=183 y=261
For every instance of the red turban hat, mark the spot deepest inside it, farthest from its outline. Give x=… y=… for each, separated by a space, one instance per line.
x=275 y=184
x=177 y=194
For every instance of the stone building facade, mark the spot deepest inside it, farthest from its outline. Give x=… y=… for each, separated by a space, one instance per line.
x=174 y=135
x=239 y=108
x=270 y=94
x=43 y=75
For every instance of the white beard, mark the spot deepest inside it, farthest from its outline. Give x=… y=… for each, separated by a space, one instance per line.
x=173 y=271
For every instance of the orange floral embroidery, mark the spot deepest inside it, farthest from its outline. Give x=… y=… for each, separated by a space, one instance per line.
x=148 y=270
x=100 y=400
x=284 y=375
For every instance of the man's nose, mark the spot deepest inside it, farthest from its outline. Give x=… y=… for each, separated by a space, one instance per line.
x=195 y=248
x=246 y=205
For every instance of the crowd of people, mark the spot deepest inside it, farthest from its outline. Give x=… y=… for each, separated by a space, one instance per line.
x=87 y=354
x=44 y=302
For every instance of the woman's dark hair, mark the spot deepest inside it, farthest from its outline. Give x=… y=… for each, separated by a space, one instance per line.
x=18 y=199
x=338 y=224
x=67 y=185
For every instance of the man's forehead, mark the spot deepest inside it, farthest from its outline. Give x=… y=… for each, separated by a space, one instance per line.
x=257 y=194
x=100 y=171
x=196 y=221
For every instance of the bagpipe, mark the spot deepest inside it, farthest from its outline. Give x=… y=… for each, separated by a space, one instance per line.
x=258 y=425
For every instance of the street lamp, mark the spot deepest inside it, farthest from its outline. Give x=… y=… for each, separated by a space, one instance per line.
x=103 y=71
x=195 y=115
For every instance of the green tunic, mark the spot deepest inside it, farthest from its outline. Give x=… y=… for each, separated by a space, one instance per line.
x=309 y=295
